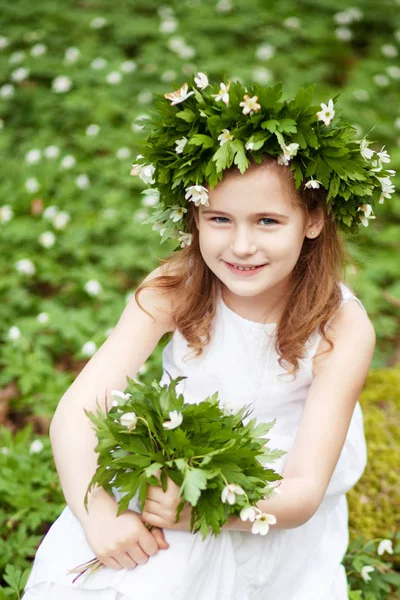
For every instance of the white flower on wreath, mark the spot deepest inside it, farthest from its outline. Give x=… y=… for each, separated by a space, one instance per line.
x=144 y=172
x=179 y=95
x=180 y=144
x=383 y=156
x=230 y=492
x=197 y=194
x=177 y=213
x=185 y=239
x=128 y=420
x=223 y=93
x=387 y=188
x=250 y=105
x=288 y=153
x=249 y=145
x=365 y=572
x=313 y=183
x=225 y=137
x=385 y=546
x=366 y=152
x=176 y=419
x=262 y=523
x=367 y=210
x=159 y=227
x=121 y=395
x=249 y=513
x=201 y=80
x=327 y=113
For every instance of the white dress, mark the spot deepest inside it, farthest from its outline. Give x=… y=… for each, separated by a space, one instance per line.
x=290 y=564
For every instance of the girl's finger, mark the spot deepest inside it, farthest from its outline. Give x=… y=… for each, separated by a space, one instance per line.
x=150 y=506
x=138 y=555
x=111 y=563
x=126 y=560
x=160 y=538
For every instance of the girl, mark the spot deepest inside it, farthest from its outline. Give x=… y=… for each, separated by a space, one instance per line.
x=258 y=312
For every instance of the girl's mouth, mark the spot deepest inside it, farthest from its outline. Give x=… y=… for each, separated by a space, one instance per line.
x=244 y=271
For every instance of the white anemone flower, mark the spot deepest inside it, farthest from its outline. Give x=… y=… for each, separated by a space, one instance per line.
x=32 y=185
x=248 y=513
x=327 y=113
x=128 y=66
x=366 y=152
x=121 y=395
x=89 y=348
x=52 y=151
x=185 y=239
x=61 y=220
x=367 y=210
x=93 y=129
x=387 y=188
x=123 y=153
x=71 y=55
x=385 y=546
x=98 y=63
x=201 y=80
x=250 y=105
x=25 y=266
x=288 y=152
x=230 y=492
x=7 y=90
x=180 y=144
x=179 y=95
x=225 y=137
x=383 y=156
x=68 y=162
x=43 y=318
x=14 y=333
x=177 y=213
x=160 y=227
x=82 y=181
x=114 y=78
x=38 y=50
x=365 y=573
x=197 y=194
x=50 y=212
x=47 y=239
x=33 y=156
x=61 y=84
x=262 y=523
x=128 y=420
x=144 y=172
x=93 y=287
x=98 y=22
x=36 y=447
x=176 y=419
x=20 y=74
x=223 y=93
x=313 y=183
x=6 y=213
x=249 y=145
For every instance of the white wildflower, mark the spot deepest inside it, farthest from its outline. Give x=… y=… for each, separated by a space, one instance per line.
x=223 y=93
x=292 y=23
x=160 y=227
x=82 y=181
x=140 y=215
x=327 y=113
x=389 y=50
x=197 y=194
x=225 y=137
x=145 y=97
x=177 y=213
x=381 y=80
x=262 y=75
x=50 y=212
x=20 y=74
x=3 y=42
x=43 y=318
x=114 y=77
x=14 y=333
x=123 y=153
x=36 y=447
x=16 y=57
x=98 y=63
x=25 y=266
x=344 y=34
x=250 y=105
x=38 y=50
x=93 y=287
x=98 y=22
x=169 y=75
x=180 y=144
x=128 y=66
x=144 y=172
x=249 y=145
x=383 y=156
x=366 y=153
x=6 y=213
x=61 y=84
x=265 y=52
x=176 y=419
x=288 y=153
x=128 y=420
x=361 y=95
x=168 y=25
x=313 y=183
x=52 y=152
x=223 y=6
x=68 y=161
x=89 y=348
x=7 y=90
x=32 y=185
x=393 y=71
x=366 y=209
x=185 y=239
x=230 y=492
x=151 y=197
x=121 y=396
x=71 y=55
x=262 y=523
x=201 y=80
x=385 y=546
x=93 y=129
x=33 y=156
x=365 y=573
x=47 y=239
x=387 y=188
x=179 y=95
x=61 y=220
x=248 y=513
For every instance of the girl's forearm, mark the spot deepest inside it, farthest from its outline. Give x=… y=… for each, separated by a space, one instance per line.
x=293 y=507
x=73 y=442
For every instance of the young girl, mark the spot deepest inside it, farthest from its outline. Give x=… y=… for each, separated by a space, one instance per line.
x=258 y=312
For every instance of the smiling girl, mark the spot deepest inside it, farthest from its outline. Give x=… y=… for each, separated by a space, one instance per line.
x=258 y=312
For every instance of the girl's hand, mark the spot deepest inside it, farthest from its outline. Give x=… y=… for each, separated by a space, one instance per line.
x=160 y=508
x=123 y=541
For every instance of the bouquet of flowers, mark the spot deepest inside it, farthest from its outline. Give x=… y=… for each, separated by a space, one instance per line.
x=206 y=449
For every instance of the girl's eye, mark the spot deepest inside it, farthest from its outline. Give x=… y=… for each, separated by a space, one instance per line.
x=271 y=221
x=217 y=220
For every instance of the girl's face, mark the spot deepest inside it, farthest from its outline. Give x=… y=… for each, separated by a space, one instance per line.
x=253 y=221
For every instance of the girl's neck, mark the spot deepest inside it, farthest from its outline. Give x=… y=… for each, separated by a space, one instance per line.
x=267 y=307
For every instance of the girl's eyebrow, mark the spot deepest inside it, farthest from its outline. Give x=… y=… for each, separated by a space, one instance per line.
x=262 y=214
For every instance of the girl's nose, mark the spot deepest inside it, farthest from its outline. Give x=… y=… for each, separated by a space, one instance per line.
x=242 y=243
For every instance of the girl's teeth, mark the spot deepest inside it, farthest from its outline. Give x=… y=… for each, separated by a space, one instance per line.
x=245 y=268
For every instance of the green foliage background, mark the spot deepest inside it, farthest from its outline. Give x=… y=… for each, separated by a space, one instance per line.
x=147 y=47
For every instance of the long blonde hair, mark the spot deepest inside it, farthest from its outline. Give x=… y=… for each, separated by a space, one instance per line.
x=314 y=297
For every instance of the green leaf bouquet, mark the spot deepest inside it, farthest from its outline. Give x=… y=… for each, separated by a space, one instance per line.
x=215 y=458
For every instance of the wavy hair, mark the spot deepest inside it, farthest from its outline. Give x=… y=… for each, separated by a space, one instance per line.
x=313 y=299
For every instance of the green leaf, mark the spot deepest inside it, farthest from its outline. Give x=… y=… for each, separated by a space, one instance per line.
x=223 y=156
x=194 y=481
x=186 y=115
x=240 y=158
x=201 y=140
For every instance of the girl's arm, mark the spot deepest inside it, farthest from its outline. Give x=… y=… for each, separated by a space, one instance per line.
x=339 y=376
x=125 y=350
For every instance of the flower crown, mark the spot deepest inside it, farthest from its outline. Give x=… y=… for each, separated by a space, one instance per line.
x=194 y=135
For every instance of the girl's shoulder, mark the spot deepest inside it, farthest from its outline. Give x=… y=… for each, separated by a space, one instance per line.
x=158 y=300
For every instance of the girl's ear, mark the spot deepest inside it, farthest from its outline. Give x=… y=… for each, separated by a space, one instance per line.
x=315 y=223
